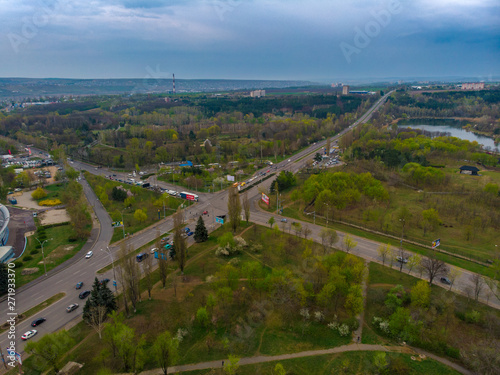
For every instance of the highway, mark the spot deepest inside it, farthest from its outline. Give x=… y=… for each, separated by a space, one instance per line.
x=81 y=269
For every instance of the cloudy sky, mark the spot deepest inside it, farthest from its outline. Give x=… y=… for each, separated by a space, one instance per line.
x=249 y=39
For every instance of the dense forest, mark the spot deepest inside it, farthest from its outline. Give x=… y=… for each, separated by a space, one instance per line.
x=139 y=130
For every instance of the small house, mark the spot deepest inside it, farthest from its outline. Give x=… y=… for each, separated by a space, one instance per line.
x=467 y=169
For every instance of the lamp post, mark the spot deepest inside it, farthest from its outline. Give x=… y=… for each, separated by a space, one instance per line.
x=326 y=204
x=123 y=224
x=113 y=266
x=43 y=255
x=402 y=232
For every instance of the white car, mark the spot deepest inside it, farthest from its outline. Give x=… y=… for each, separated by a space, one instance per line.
x=89 y=255
x=153 y=250
x=29 y=334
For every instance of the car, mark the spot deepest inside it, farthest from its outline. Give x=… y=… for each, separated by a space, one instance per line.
x=205 y=212
x=140 y=257
x=190 y=233
x=17 y=189
x=289 y=160
x=37 y=322
x=79 y=285
x=104 y=281
x=284 y=220
x=153 y=250
x=84 y=294
x=29 y=334
x=89 y=255
x=402 y=260
x=445 y=280
x=186 y=230
x=72 y=307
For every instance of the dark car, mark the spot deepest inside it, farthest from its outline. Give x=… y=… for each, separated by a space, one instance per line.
x=187 y=230
x=446 y=281
x=190 y=233
x=104 y=281
x=84 y=294
x=37 y=322
x=79 y=285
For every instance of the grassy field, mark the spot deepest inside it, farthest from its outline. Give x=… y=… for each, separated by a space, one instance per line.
x=146 y=200
x=57 y=250
x=359 y=363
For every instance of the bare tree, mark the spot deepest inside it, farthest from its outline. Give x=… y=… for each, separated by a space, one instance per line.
x=122 y=254
x=298 y=228
x=147 y=266
x=453 y=275
x=179 y=242
x=478 y=283
x=97 y=317
x=246 y=206
x=307 y=231
x=132 y=275
x=332 y=237
x=402 y=257
x=234 y=208
x=383 y=251
x=434 y=268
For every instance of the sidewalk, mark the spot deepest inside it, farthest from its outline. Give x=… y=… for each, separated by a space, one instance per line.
x=310 y=353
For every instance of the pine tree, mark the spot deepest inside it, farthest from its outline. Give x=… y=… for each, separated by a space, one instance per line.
x=200 y=232
x=100 y=295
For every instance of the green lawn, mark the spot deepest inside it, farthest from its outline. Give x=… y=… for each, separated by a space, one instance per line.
x=343 y=363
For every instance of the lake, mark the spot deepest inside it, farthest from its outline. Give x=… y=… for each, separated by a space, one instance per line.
x=449 y=128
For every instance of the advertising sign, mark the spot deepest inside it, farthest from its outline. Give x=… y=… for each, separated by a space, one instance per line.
x=436 y=243
x=230 y=178
x=219 y=219
x=117 y=224
x=265 y=199
x=190 y=197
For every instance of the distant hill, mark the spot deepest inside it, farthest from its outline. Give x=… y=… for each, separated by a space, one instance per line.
x=17 y=88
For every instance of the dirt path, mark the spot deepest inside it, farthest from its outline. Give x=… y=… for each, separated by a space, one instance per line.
x=282 y=357
x=356 y=335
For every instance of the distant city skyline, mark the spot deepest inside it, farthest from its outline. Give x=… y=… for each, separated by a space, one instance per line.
x=316 y=40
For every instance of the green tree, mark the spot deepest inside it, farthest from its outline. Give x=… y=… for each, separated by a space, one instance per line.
x=414 y=262
x=349 y=243
x=271 y=221
x=354 y=300
x=130 y=349
x=246 y=206
x=380 y=361
x=118 y=194
x=38 y=194
x=279 y=369
x=318 y=157
x=100 y=296
x=165 y=351
x=234 y=208
x=431 y=220
x=384 y=251
x=140 y=215
x=50 y=348
x=200 y=232
x=232 y=365
x=71 y=173
x=202 y=317
x=420 y=294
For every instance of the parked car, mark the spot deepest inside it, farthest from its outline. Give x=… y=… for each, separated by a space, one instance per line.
x=284 y=220
x=89 y=255
x=29 y=334
x=186 y=230
x=37 y=322
x=446 y=281
x=190 y=233
x=140 y=257
x=104 y=281
x=72 y=307
x=153 y=250
x=205 y=212
x=84 y=294
x=79 y=285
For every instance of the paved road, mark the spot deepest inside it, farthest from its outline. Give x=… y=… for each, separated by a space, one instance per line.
x=78 y=268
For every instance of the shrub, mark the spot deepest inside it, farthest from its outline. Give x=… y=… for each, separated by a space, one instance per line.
x=27 y=258
x=34 y=251
x=473 y=316
x=38 y=194
x=50 y=202
x=18 y=264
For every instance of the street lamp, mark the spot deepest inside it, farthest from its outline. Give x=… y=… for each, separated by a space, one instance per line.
x=123 y=224
x=326 y=204
x=402 y=232
x=113 y=265
x=43 y=255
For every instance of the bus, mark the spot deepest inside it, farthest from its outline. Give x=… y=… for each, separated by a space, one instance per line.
x=188 y=196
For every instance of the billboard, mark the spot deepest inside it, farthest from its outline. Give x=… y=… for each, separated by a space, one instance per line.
x=190 y=197
x=265 y=199
x=230 y=178
x=220 y=219
x=436 y=243
x=117 y=224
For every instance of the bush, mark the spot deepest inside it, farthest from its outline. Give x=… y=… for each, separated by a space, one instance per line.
x=38 y=194
x=72 y=238
x=352 y=322
x=473 y=316
x=34 y=251
x=50 y=202
x=27 y=258
x=18 y=264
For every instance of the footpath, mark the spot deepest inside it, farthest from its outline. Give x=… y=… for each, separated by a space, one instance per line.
x=310 y=353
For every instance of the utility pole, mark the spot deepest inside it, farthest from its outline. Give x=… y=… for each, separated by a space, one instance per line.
x=123 y=225
x=326 y=204
x=113 y=265
x=43 y=255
